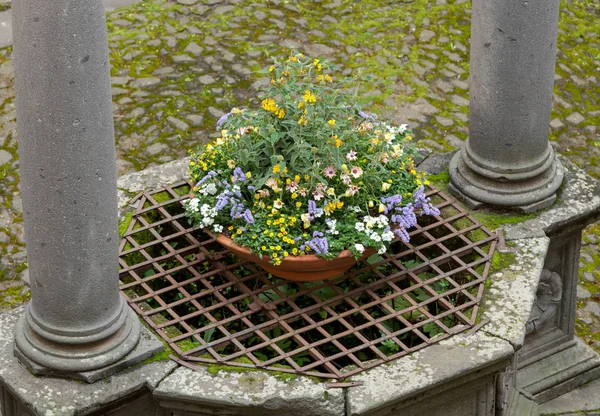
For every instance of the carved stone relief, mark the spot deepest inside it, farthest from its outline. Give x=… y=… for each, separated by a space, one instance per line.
x=547 y=303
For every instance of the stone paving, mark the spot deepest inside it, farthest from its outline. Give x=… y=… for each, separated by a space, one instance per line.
x=179 y=65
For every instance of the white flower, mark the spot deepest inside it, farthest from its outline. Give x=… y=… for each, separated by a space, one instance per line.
x=402 y=128
x=208 y=221
x=360 y=248
x=381 y=250
x=211 y=189
x=375 y=237
x=389 y=236
x=193 y=204
x=359 y=226
x=218 y=228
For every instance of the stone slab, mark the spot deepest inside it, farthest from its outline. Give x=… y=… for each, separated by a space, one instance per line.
x=578 y=202
x=166 y=174
x=584 y=398
x=247 y=393
x=64 y=397
x=508 y=301
x=427 y=372
x=559 y=373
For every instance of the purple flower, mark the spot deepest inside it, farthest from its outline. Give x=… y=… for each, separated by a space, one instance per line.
x=391 y=202
x=402 y=234
x=223 y=119
x=222 y=201
x=423 y=203
x=205 y=178
x=248 y=216
x=313 y=211
x=407 y=219
x=318 y=244
x=236 y=209
x=371 y=117
x=238 y=175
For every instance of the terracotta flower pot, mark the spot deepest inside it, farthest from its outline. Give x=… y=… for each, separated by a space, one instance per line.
x=305 y=268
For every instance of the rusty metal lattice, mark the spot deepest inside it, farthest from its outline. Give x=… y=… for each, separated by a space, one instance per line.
x=214 y=308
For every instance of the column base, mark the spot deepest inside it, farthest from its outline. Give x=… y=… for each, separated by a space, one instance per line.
x=525 y=196
x=100 y=359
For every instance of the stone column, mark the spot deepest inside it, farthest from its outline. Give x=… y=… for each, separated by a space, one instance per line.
x=508 y=160
x=76 y=321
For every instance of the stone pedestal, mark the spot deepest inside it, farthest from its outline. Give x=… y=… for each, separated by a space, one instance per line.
x=552 y=360
x=507 y=159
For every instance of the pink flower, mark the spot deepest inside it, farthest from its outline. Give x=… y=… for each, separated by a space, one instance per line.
x=317 y=195
x=346 y=178
x=351 y=155
x=351 y=190
x=330 y=172
x=356 y=171
x=292 y=187
x=303 y=191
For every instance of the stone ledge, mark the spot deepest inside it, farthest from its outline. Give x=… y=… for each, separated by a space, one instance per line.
x=63 y=397
x=508 y=300
x=247 y=393
x=578 y=203
x=428 y=372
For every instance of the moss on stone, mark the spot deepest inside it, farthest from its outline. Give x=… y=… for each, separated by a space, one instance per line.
x=124 y=224
x=12 y=297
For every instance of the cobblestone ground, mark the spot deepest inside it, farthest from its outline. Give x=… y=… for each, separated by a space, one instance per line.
x=178 y=65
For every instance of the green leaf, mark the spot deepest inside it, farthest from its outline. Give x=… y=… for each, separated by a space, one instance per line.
x=432 y=329
x=375 y=258
x=208 y=335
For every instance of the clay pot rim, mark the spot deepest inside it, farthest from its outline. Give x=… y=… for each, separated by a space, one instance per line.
x=227 y=241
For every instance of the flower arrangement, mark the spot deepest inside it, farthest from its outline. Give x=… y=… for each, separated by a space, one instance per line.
x=308 y=172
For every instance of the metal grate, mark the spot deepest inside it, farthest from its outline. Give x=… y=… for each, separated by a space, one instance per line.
x=214 y=308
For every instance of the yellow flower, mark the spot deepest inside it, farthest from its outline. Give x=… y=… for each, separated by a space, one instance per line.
x=294 y=195
x=271 y=68
x=231 y=164
x=408 y=137
x=248 y=174
x=385 y=186
x=330 y=191
x=338 y=142
x=298 y=204
x=331 y=123
x=239 y=231
x=309 y=97
x=263 y=248
x=340 y=204
x=276 y=168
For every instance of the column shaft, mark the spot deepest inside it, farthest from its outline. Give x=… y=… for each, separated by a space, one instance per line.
x=507 y=159
x=68 y=183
